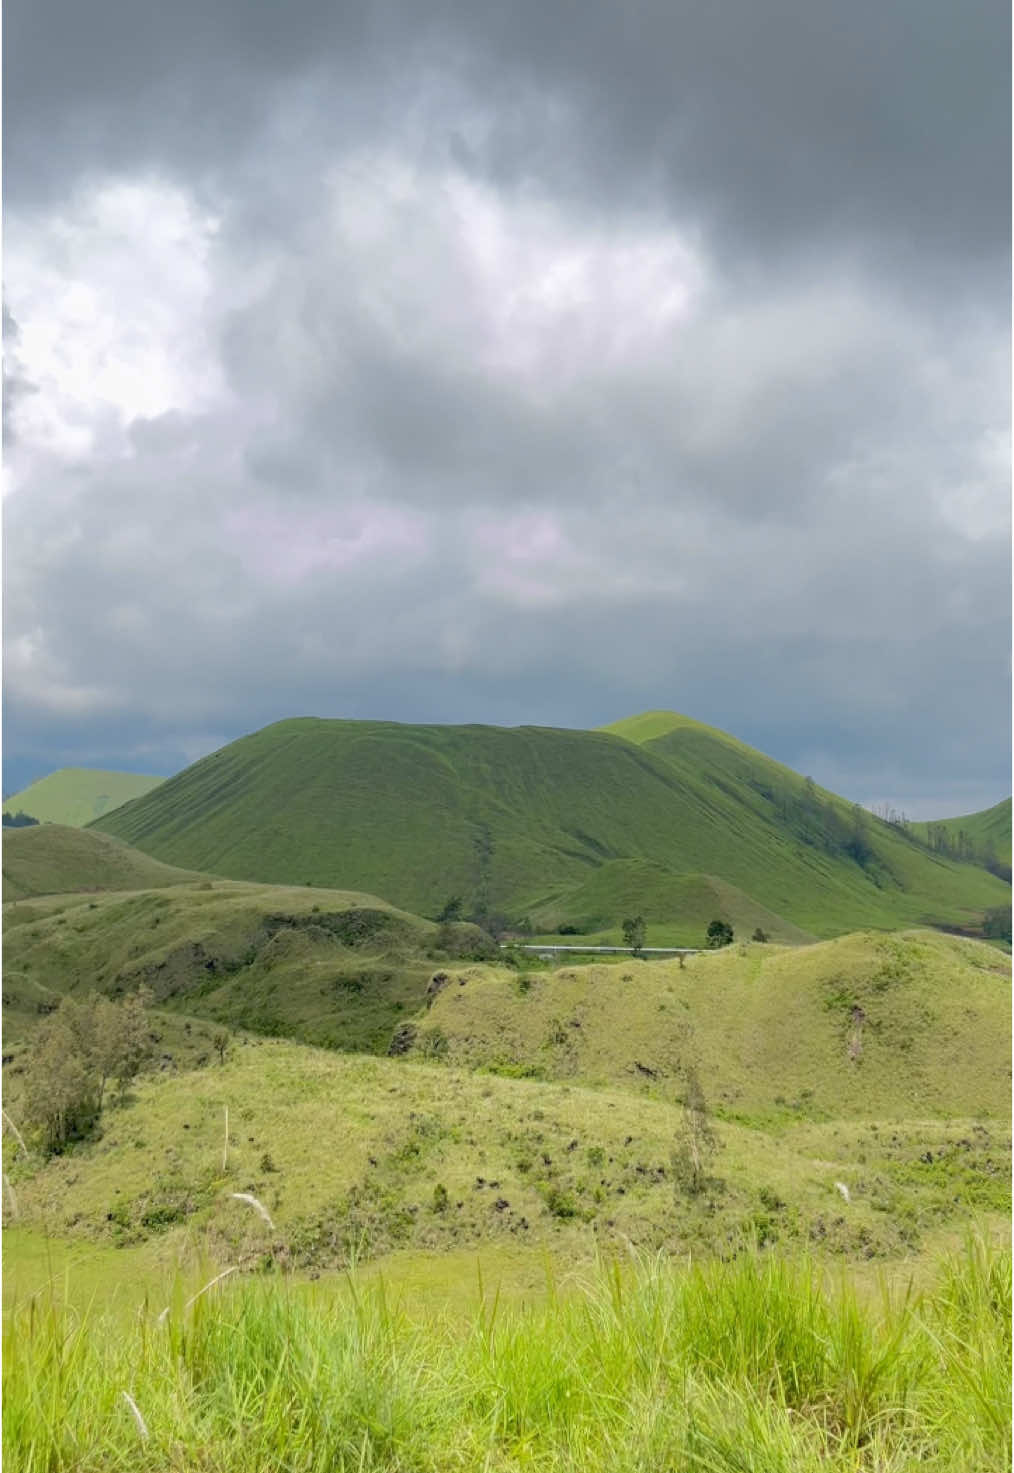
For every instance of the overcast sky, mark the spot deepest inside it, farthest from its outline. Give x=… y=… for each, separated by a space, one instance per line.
x=513 y=363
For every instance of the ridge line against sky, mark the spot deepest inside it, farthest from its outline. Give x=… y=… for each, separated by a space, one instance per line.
x=511 y=364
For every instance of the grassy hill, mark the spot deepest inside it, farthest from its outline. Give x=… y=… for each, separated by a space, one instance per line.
x=55 y=860
x=865 y=1025
x=334 y=968
x=76 y=795
x=360 y=1156
x=643 y=887
x=988 y=831
x=518 y=820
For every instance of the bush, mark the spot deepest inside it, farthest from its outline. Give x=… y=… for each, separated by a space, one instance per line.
x=77 y=1050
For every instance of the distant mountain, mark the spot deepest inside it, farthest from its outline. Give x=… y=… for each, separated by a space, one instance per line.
x=77 y=795
x=517 y=821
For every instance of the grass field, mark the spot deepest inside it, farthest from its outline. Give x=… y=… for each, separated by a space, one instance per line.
x=523 y=820
x=77 y=795
x=905 y=1115
x=754 y=1364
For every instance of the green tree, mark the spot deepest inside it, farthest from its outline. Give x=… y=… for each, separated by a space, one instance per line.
x=720 y=933
x=451 y=912
x=61 y=1095
x=759 y=935
x=76 y=1051
x=633 y=934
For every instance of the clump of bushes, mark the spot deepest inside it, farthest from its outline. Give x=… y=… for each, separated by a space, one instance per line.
x=78 y=1050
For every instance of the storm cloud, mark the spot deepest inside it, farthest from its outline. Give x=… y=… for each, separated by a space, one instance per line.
x=512 y=364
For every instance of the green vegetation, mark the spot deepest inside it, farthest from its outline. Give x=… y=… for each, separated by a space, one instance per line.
x=76 y=795
x=517 y=821
x=55 y=860
x=75 y=1052
x=978 y=838
x=634 y=933
x=676 y=907
x=719 y=934
x=18 y=820
x=330 y=967
x=711 y=1368
x=916 y=1024
x=875 y=1064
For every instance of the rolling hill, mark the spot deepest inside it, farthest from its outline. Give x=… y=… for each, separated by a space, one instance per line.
x=55 y=860
x=76 y=795
x=914 y=1023
x=327 y=967
x=905 y=1107
x=520 y=820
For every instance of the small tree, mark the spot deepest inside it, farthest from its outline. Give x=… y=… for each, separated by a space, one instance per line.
x=759 y=935
x=61 y=1095
x=75 y=1053
x=720 y=933
x=696 y=1143
x=452 y=910
x=220 y=1042
x=633 y=934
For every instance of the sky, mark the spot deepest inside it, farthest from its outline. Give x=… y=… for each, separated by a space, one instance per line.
x=511 y=363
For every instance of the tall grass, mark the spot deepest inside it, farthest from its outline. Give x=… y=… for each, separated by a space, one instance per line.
x=754 y=1366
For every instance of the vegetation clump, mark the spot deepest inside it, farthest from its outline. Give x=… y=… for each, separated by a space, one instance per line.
x=719 y=934
x=77 y=1051
x=634 y=934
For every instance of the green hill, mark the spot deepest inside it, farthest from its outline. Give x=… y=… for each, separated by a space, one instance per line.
x=643 y=887
x=903 y=1107
x=864 y=1025
x=981 y=835
x=76 y=795
x=55 y=860
x=513 y=819
x=328 y=967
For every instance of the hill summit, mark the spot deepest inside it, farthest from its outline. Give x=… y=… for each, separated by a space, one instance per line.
x=517 y=821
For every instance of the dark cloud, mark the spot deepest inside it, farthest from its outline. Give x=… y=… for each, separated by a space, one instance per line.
x=513 y=363
x=784 y=123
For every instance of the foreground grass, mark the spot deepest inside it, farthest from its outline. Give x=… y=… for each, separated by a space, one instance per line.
x=749 y=1365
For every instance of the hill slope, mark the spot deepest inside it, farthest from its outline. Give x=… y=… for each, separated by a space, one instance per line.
x=513 y=819
x=352 y=1153
x=76 y=795
x=324 y=966
x=916 y=1024
x=985 y=833
x=55 y=860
